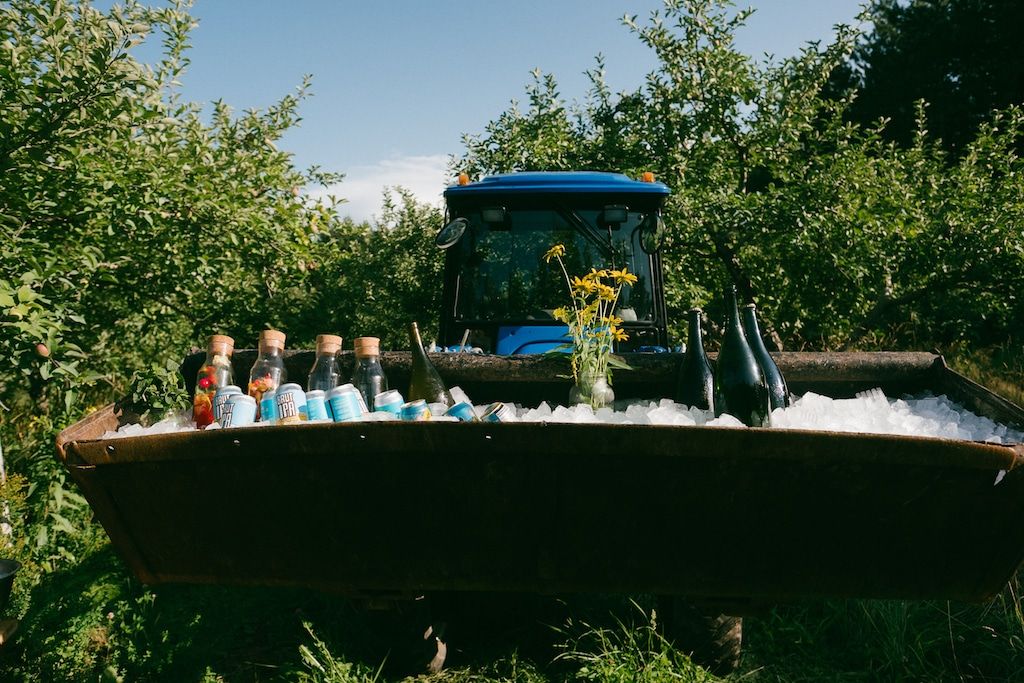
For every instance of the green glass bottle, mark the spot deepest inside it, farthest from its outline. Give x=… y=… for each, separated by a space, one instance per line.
x=740 y=390
x=424 y=382
x=696 y=383
x=778 y=392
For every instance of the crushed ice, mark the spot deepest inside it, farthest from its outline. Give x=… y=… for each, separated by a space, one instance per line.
x=869 y=412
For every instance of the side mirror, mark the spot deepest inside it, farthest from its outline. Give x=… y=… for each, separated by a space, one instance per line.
x=652 y=233
x=450 y=234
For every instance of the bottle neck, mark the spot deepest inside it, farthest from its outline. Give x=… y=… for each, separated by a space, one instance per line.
x=270 y=352
x=416 y=342
x=750 y=323
x=695 y=337
x=734 y=311
x=368 y=359
x=217 y=357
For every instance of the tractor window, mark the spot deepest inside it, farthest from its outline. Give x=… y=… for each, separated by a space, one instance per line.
x=503 y=276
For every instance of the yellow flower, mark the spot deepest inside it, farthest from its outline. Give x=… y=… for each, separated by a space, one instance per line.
x=619 y=333
x=605 y=292
x=584 y=286
x=554 y=252
x=595 y=273
x=612 y=320
x=623 y=277
x=561 y=313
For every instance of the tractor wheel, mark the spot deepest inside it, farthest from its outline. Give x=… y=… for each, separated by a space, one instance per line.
x=711 y=640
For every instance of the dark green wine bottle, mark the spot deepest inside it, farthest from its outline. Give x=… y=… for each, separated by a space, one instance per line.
x=424 y=382
x=740 y=390
x=778 y=392
x=696 y=384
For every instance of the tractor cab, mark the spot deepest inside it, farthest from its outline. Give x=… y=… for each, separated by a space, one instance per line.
x=499 y=293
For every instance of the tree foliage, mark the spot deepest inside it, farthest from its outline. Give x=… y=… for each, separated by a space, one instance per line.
x=841 y=237
x=134 y=224
x=960 y=56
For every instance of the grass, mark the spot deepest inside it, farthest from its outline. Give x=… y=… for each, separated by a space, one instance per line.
x=95 y=623
x=999 y=368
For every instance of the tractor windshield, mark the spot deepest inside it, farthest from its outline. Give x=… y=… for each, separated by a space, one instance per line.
x=502 y=275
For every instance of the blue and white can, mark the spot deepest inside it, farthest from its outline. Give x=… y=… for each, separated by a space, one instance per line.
x=240 y=410
x=388 y=402
x=345 y=403
x=316 y=407
x=291 y=404
x=463 y=411
x=415 y=411
x=268 y=406
x=498 y=412
x=221 y=397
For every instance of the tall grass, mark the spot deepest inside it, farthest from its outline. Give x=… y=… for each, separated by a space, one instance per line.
x=999 y=368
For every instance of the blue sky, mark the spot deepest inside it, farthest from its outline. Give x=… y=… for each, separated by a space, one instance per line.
x=397 y=83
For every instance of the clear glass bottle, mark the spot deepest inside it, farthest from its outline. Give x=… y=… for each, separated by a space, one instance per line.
x=368 y=376
x=695 y=386
x=325 y=373
x=216 y=372
x=778 y=392
x=740 y=390
x=268 y=371
x=424 y=382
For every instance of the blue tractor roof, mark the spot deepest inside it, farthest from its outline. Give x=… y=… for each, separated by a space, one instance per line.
x=561 y=182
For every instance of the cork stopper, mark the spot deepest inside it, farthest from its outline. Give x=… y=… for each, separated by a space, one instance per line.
x=367 y=346
x=271 y=339
x=328 y=343
x=220 y=345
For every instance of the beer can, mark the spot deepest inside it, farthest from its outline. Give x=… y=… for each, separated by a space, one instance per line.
x=415 y=411
x=388 y=402
x=498 y=412
x=291 y=404
x=221 y=397
x=345 y=403
x=268 y=406
x=240 y=410
x=463 y=411
x=316 y=408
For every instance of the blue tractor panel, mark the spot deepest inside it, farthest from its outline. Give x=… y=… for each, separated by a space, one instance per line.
x=516 y=339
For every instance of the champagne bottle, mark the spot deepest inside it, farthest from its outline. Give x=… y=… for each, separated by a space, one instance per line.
x=740 y=390
x=424 y=382
x=216 y=372
x=696 y=384
x=368 y=376
x=268 y=371
x=778 y=392
x=324 y=374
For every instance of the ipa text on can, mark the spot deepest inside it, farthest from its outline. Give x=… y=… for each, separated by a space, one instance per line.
x=241 y=410
x=268 y=406
x=463 y=411
x=316 y=407
x=388 y=402
x=498 y=412
x=221 y=397
x=345 y=404
x=291 y=404
x=415 y=411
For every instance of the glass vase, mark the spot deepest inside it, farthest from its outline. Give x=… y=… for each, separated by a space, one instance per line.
x=593 y=390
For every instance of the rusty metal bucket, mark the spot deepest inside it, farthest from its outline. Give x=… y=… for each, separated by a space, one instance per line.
x=403 y=508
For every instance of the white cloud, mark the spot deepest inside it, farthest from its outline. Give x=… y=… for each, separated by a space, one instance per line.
x=363 y=187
